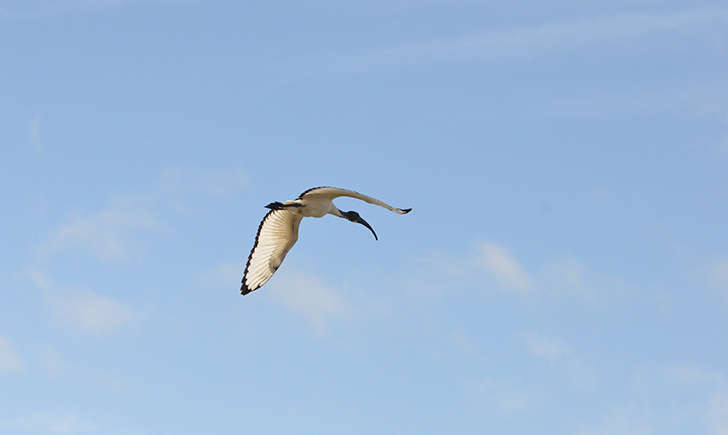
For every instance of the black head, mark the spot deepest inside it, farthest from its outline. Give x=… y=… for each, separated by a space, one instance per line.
x=353 y=216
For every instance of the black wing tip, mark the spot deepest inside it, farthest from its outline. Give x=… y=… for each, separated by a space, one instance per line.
x=244 y=289
x=405 y=210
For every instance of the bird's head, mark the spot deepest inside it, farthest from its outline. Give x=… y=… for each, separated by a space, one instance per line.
x=353 y=216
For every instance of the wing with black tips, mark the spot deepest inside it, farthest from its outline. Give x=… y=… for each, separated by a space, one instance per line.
x=276 y=236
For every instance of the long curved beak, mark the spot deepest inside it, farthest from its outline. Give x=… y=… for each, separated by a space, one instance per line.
x=366 y=224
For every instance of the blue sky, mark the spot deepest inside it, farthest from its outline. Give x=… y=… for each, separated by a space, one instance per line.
x=564 y=271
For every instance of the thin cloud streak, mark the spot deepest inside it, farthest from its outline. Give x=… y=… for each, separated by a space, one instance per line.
x=560 y=355
x=548 y=348
x=309 y=297
x=569 y=277
x=104 y=234
x=497 y=267
x=527 y=42
x=87 y=310
x=57 y=423
x=110 y=232
x=9 y=357
x=91 y=312
x=504 y=397
x=718 y=414
x=226 y=275
x=690 y=374
x=504 y=267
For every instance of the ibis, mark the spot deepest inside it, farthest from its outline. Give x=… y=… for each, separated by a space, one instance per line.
x=278 y=231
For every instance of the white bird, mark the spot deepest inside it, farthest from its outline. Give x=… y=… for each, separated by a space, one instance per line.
x=278 y=231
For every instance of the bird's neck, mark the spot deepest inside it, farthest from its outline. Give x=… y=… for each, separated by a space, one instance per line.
x=335 y=211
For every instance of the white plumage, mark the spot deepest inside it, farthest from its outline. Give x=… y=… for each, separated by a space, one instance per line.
x=278 y=231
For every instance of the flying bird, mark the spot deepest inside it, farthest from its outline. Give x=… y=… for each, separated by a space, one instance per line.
x=278 y=231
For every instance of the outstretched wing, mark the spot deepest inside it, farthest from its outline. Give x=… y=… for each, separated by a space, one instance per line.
x=276 y=236
x=334 y=192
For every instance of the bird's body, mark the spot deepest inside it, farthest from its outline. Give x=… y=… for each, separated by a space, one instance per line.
x=278 y=231
x=312 y=207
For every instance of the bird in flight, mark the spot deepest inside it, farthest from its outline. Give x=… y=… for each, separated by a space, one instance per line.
x=278 y=231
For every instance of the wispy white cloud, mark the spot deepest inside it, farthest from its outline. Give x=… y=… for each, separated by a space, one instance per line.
x=66 y=422
x=38 y=278
x=503 y=267
x=90 y=311
x=562 y=356
x=451 y=269
x=105 y=234
x=663 y=396
x=69 y=424
x=504 y=397
x=545 y=347
x=528 y=42
x=308 y=296
x=55 y=423
x=225 y=275
x=569 y=277
x=111 y=232
x=568 y=273
x=718 y=414
x=691 y=374
x=496 y=266
x=87 y=310
x=9 y=358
